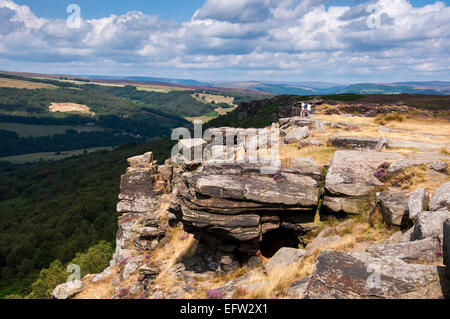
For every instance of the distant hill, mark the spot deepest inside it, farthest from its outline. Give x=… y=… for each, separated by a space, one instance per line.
x=149 y=79
x=269 y=87
x=318 y=88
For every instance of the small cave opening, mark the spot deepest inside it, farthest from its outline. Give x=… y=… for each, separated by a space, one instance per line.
x=278 y=238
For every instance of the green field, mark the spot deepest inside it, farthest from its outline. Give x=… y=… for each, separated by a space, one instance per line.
x=49 y=156
x=26 y=130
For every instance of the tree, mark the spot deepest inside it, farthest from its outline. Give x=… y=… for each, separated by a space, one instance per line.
x=48 y=279
x=95 y=260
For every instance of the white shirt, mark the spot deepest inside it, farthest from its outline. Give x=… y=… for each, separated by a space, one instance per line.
x=309 y=107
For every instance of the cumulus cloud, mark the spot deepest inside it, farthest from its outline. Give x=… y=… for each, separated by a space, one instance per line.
x=377 y=40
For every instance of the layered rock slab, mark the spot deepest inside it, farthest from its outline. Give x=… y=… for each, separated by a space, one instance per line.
x=234 y=205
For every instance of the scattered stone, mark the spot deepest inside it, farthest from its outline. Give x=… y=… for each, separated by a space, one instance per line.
x=345 y=226
x=409 y=235
x=395 y=238
x=350 y=180
x=417 y=202
x=326 y=232
x=441 y=198
x=228 y=263
x=399 y=166
x=382 y=143
x=430 y=224
x=296 y=121
x=393 y=206
x=284 y=257
x=344 y=275
x=438 y=166
x=354 y=143
x=306 y=143
x=297 y=134
x=322 y=243
x=424 y=250
x=67 y=290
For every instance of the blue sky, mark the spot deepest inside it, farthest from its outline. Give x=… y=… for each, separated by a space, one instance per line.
x=231 y=40
x=167 y=9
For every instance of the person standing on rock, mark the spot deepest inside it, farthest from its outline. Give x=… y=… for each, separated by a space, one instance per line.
x=302 y=112
x=308 y=110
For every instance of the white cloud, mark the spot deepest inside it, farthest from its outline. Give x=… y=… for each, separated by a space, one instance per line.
x=245 y=39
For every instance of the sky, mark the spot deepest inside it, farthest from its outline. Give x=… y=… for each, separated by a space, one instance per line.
x=344 y=41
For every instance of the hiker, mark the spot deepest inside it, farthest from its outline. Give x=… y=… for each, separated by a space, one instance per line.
x=302 y=112
x=308 y=110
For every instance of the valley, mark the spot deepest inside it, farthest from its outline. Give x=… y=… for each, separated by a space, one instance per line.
x=86 y=183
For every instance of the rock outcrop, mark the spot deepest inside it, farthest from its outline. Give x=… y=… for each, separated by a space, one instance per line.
x=339 y=274
x=67 y=290
x=441 y=198
x=354 y=143
x=350 y=180
x=393 y=206
x=296 y=135
x=232 y=206
x=243 y=213
x=285 y=256
x=431 y=224
x=417 y=202
x=425 y=250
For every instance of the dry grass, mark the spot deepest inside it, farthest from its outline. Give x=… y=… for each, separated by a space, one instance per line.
x=100 y=290
x=391 y=117
x=321 y=154
x=445 y=151
x=417 y=177
x=20 y=84
x=273 y=283
x=176 y=249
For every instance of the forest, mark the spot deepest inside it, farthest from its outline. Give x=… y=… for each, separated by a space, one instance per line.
x=53 y=210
